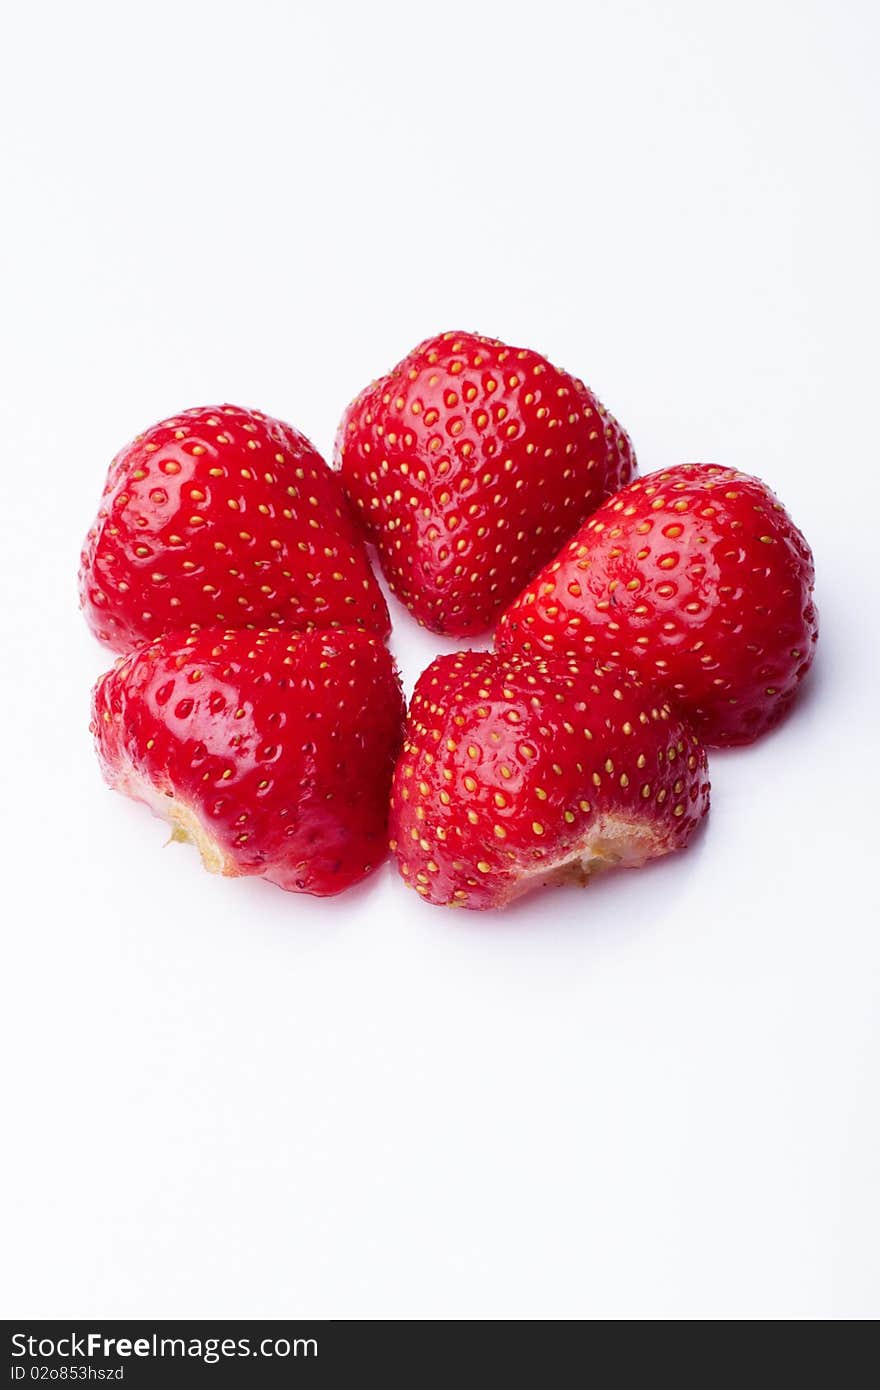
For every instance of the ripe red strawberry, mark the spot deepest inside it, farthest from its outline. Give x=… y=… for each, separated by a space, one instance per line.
x=516 y=772
x=696 y=578
x=469 y=464
x=223 y=516
x=272 y=751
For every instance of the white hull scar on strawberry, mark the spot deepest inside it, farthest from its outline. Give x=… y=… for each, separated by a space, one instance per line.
x=272 y=752
x=517 y=772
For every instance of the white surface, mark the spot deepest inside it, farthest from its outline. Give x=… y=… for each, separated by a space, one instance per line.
x=654 y=1097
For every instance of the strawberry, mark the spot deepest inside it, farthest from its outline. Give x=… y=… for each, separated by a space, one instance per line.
x=272 y=751
x=469 y=464
x=519 y=772
x=224 y=517
x=696 y=578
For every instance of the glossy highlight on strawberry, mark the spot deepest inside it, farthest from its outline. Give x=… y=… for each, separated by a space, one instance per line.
x=271 y=751
x=517 y=773
x=468 y=465
x=222 y=516
x=695 y=578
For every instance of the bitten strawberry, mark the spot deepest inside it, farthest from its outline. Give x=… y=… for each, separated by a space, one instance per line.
x=272 y=751
x=695 y=578
x=518 y=772
x=223 y=516
x=469 y=464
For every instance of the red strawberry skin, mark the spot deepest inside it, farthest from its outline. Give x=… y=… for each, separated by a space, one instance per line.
x=695 y=578
x=517 y=772
x=225 y=517
x=272 y=751
x=469 y=464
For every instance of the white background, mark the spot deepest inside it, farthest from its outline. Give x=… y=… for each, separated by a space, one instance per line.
x=655 y=1097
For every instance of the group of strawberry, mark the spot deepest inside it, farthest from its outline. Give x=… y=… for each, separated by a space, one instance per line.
x=256 y=707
